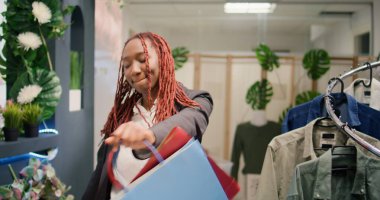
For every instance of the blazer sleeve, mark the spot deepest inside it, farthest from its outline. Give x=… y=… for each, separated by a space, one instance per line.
x=193 y=120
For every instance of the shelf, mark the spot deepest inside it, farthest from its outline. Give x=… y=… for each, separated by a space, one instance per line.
x=25 y=145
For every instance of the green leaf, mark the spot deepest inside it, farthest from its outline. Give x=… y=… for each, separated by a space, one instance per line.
x=283 y=114
x=267 y=58
x=76 y=69
x=180 y=56
x=68 y=10
x=259 y=94
x=317 y=63
x=5 y=192
x=49 y=97
x=306 y=97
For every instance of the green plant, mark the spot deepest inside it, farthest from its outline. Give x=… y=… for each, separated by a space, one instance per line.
x=76 y=69
x=38 y=181
x=27 y=26
x=259 y=95
x=300 y=99
x=180 y=56
x=267 y=58
x=316 y=62
x=306 y=97
x=31 y=114
x=12 y=115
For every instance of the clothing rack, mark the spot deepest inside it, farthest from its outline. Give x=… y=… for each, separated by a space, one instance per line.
x=330 y=110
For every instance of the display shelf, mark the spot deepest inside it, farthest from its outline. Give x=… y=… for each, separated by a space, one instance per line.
x=25 y=145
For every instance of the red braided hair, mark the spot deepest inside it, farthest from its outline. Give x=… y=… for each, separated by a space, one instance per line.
x=169 y=92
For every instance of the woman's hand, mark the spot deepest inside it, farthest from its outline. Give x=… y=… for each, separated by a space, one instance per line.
x=131 y=135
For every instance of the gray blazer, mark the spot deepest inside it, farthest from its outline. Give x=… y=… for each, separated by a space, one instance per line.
x=193 y=120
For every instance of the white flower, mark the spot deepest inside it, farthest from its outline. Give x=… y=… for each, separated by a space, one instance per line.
x=41 y=12
x=58 y=193
x=29 y=40
x=28 y=93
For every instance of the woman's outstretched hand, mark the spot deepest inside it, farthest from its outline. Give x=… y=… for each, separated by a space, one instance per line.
x=131 y=135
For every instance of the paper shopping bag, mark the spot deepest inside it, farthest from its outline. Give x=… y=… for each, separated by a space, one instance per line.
x=185 y=175
x=174 y=141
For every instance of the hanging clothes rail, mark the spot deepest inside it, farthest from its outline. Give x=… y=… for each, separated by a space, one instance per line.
x=330 y=110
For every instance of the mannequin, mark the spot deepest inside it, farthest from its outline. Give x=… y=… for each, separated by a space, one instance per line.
x=251 y=140
x=258 y=118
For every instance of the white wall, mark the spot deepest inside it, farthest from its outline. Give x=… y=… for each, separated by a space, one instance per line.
x=108 y=45
x=338 y=38
x=376 y=28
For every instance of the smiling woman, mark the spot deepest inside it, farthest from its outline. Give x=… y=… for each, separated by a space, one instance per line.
x=149 y=102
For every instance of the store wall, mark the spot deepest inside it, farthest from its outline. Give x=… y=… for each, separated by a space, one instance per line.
x=338 y=38
x=376 y=27
x=108 y=46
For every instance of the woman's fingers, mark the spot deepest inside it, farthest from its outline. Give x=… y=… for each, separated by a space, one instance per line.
x=131 y=135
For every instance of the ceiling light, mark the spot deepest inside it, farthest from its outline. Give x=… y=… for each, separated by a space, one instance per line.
x=249 y=7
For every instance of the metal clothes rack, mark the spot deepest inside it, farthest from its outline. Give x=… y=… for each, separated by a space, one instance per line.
x=330 y=110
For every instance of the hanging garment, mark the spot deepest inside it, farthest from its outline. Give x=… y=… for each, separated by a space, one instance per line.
x=358 y=116
x=316 y=179
x=288 y=150
x=252 y=141
x=369 y=96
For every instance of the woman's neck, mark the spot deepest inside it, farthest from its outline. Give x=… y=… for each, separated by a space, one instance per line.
x=148 y=103
x=258 y=118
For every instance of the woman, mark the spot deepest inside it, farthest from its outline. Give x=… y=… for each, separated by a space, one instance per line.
x=149 y=102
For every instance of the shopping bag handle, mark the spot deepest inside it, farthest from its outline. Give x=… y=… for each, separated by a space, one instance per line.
x=111 y=159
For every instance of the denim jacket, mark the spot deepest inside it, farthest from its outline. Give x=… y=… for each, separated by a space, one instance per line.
x=358 y=116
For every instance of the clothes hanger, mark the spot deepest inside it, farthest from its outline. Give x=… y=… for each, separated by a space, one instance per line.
x=344 y=126
x=370 y=77
x=342 y=99
x=343 y=157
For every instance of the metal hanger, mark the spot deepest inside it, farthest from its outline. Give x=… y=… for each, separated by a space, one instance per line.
x=344 y=126
x=370 y=77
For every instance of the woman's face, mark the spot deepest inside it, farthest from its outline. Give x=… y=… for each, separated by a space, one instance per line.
x=135 y=69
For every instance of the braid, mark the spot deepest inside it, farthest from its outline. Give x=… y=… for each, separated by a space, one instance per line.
x=169 y=92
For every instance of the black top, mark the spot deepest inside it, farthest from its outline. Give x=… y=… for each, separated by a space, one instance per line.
x=252 y=141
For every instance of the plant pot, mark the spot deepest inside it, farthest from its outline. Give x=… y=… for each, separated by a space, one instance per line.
x=31 y=130
x=11 y=134
x=75 y=100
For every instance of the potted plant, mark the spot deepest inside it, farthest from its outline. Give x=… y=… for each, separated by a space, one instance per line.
x=76 y=71
x=37 y=181
x=12 y=115
x=31 y=117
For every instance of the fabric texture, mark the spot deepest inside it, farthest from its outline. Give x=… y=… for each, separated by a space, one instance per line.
x=193 y=120
x=288 y=150
x=316 y=180
x=357 y=115
x=251 y=142
x=363 y=94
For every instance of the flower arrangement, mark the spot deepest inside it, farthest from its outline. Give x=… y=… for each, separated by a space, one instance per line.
x=38 y=181
x=26 y=64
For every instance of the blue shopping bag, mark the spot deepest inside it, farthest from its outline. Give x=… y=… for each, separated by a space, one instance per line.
x=185 y=175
